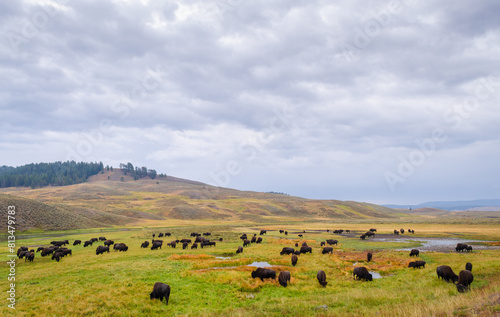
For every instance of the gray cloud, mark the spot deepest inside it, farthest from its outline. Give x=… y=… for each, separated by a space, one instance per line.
x=312 y=98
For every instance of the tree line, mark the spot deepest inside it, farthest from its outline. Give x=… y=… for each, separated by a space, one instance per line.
x=139 y=172
x=44 y=174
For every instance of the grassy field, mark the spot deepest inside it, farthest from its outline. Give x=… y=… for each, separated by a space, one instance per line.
x=216 y=282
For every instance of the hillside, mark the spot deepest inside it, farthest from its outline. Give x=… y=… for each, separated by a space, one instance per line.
x=112 y=198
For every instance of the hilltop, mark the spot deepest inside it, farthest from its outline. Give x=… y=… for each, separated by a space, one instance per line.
x=113 y=198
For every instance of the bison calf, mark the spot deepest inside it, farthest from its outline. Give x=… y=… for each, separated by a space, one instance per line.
x=160 y=290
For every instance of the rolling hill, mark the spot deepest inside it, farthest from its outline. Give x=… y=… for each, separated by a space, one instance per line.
x=112 y=198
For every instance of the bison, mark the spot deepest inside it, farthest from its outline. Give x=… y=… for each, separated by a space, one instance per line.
x=77 y=242
x=446 y=273
x=332 y=242
x=362 y=273
x=262 y=232
x=322 y=243
x=156 y=245
x=284 y=278
x=327 y=250
x=39 y=249
x=373 y=230
x=120 y=247
x=469 y=248
x=321 y=276
x=417 y=264
x=468 y=266
x=102 y=239
x=160 y=290
x=87 y=243
x=461 y=247
x=30 y=257
x=294 y=259
x=402 y=230
x=246 y=242
x=396 y=232
x=194 y=246
x=305 y=250
x=145 y=244
x=369 y=256
x=57 y=256
x=263 y=273
x=101 y=249
x=185 y=245
x=414 y=252
x=208 y=243
x=259 y=240
x=465 y=278
x=240 y=249
x=108 y=243
x=172 y=244
x=286 y=251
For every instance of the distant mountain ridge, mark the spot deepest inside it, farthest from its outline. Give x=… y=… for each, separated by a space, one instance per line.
x=472 y=205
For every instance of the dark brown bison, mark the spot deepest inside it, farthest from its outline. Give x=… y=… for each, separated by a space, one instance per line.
x=327 y=250
x=244 y=236
x=87 y=243
x=304 y=244
x=156 y=245
x=402 y=230
x=301 y=236
x=185 y=241
x=322 y=243
x=21 y=249
x=57 y=256
x=263 y=273
x=30 y=257
x=145 y=244
x=362 y=273
x=93 y=240
x=246 y=242
x=286 y=233
x=294 y=259
x=259 y=240
x=373 y=230
x=39 y=249
x=108 y=243
x=22 y=254
x=284 y=278
x=321 y=276
x=461 y=247
x=207 y=234
x=286 y=251
x=332 y=242
x=296 y=244
x=160 y=290
x=262 y=232
x=172 y=244
x=208 y=244
x=102 y=239
x=396 y=232
x=185 y=245
x=446 y=273
x=362 y=237
x=120 y=247
x=465 y=278
x=254 y=239
x=101 y=249
x=417 y=264
x=468 y=266
x=240 y=249
x=369 y=256
x=306 y=250
x=66 y=252
x=469 y=248
x=414 y=252
x=194 y=246
x=47 y=251
x=160 y=235
x=77 y=242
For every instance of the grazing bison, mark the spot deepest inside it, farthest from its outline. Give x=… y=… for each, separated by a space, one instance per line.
x=66 y=252
x=362 y=237
x=362 y=273
x=145 y=244
x=332 y=242
x=306 y=250
x=414 y=252
x=322 y=243
x=185 y=241
x=185 y=245
x=160 y=290
x=284 y=278
x=22 y=254
x=30 y=257
x=243 y=236
x=160 y=235
x=259 y=240
x=461 y=247
x=57 y=256
x=263 y=232
x=468 y=266
x=172 y=244
x=373 y=230
x=101 y=249
x=465 y=278
x=369 y=256
x=120 y=247
x=157 y=245
x=417 y=264
x=321 y=276
x=194 y=246
x=446 y=273
x=263 y=273
x=301 y=235
x=167 y=234
x=87 y=243
x=47 y=251
x=396 y=232
x=21 y=249
x=108 y=243
x=254 y=239
x=93 y=240
x=240 y=249
x=208 y=243
x=327 y=250
x=77 y=242
x=246 y=242
x=207 y=234
x=102 y=239
x=287 y=251
x=294 y=259
x=281 y=231
x=39 y=249
x=469 y=248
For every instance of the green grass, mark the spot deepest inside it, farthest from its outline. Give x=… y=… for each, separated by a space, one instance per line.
x=119 y=283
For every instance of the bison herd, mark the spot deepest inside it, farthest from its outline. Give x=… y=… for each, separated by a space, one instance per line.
x=160 y=290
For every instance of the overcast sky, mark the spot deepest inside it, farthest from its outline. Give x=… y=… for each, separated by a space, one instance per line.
x=376 y=101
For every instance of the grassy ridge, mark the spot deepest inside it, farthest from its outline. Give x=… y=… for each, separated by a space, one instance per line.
x=118 y=284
